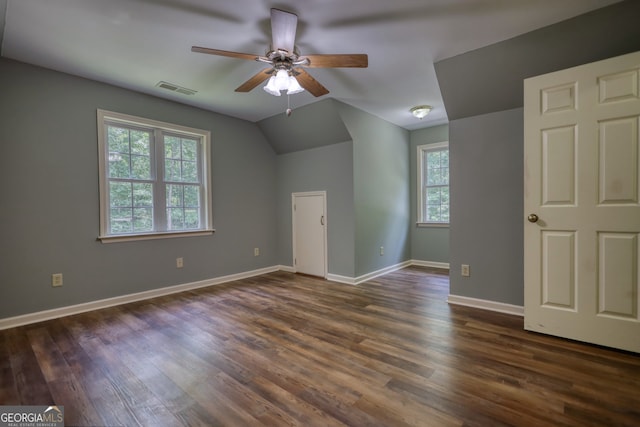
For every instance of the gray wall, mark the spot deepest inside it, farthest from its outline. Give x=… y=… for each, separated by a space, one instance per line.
x=314 y=125
x=49 y=217
x=483 y=93
x=381 y=190
x=327 y=169
x=49 y=214
x=427 y=243
x=486 y=179
x=490 y=78
x=367 y=183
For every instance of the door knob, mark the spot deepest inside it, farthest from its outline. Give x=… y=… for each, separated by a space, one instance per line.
x=532 y=218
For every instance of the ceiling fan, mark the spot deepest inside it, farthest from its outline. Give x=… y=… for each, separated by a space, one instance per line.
x=286 y=65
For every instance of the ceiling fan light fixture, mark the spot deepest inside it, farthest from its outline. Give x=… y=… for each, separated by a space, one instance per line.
x=282 y=80
x=294 y=86
x=271 y=87
x=421 y=111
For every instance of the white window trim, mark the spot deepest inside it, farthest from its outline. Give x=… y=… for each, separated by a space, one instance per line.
x=110 y=116
x=421 y=150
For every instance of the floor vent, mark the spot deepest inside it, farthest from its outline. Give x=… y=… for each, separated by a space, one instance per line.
x=176 y=88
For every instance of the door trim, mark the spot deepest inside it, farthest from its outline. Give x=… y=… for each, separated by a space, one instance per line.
x=322 y=194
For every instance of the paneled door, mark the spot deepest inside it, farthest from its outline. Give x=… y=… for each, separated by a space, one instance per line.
x=582 y=203
x=310 y=233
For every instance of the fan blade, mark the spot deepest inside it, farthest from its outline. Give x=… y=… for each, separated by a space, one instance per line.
x=357 y=60
x=224 y=53
x=283 y=30
x=309 y=83
x=255 y=80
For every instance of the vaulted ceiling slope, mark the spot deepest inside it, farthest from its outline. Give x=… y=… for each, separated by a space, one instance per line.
x=135 y=44
x=312 y=126
x=491 y=78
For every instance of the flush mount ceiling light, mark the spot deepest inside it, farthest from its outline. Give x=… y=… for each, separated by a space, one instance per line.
x=421 y=111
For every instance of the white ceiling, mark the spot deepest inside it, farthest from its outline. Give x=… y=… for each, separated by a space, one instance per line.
x=137 y=43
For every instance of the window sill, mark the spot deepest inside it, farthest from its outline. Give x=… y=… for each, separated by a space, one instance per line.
x=152 y=236
x=432 y=224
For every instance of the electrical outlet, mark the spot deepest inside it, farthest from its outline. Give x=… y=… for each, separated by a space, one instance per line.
x=464 y=270
x=56 y=279
x=256 y=251
x=381 y=250
x=179 y=262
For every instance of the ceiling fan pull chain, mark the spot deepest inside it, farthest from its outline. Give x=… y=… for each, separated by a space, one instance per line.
x=289 y=110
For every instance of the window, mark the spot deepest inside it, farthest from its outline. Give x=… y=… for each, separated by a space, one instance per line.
x=433 y=183
x=154 y=178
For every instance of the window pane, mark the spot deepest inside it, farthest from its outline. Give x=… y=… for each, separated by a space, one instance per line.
x=118 y=139
x=433 y=213
x=174 y=195
x=433 y=159
x=120 y=194
x=143 y=195
x=191 y=218
x=189 y=172
x=189 y=149
x=435 y=202
x=121 y=143
x=445 y=213
x=191 y=196
x=175 y=218
x=444 y=158
x=434 y=177
x=119 y=165
x=433 y=196
x=444 y=191
x=142 y=219
x=141 y=167
x=181 y=159
x=172 y=147
x=172 y=170
x=140 y=142
x=120 y=220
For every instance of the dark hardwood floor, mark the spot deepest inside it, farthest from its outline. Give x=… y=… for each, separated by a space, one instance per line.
x=283 y=349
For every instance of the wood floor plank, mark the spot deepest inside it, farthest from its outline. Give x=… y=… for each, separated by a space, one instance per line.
x=290 y=350
x=29 y=380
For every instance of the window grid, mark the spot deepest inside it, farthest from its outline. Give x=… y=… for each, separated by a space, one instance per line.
x=434 y=184
x=152 y=179
x=181 y=167
x=130 y=174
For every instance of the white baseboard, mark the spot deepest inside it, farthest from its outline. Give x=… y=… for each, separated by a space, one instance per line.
x=287 y=268
x=484 y=304
x=368 y=276
x=357 y=280
x=341 y=279
x=432 y=264
x=25 y=319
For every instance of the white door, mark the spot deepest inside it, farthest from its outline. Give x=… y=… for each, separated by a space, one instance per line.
x=582 y=185
x=310 y=233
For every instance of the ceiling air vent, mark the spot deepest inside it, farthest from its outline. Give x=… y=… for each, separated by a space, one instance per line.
x=176 y=88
